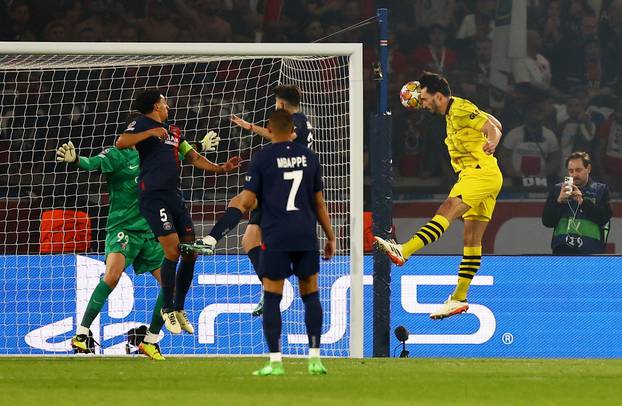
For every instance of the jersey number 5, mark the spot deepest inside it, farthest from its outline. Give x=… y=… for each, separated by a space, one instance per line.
x=296 y=177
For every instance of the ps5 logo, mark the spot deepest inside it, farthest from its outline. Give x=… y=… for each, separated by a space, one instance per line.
x=410 y=303
x=120 y=305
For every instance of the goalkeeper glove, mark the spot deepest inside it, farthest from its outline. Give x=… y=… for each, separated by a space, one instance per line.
x=67 y=153
x=210 y=142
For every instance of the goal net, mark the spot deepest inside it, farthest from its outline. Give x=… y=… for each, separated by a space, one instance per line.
x=53 y=215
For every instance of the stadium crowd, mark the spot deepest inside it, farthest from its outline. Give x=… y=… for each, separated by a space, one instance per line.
x=563 y=94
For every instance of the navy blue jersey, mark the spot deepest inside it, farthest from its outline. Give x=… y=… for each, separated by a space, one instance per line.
x=302 y=128
x=285 y=177
x=159 y=160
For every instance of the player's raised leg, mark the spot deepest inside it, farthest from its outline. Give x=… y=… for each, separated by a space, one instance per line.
x=272 y=324
x=451 y=209
x=457 y=303
x=313 y=321
x=115 y=265
x=251 y=243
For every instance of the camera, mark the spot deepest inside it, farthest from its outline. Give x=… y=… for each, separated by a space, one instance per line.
x=568 y=182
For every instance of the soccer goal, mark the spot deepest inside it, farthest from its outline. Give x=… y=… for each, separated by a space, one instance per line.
x=53 y=215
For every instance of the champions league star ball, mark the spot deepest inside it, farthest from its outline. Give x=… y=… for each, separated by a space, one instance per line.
x=410 y=95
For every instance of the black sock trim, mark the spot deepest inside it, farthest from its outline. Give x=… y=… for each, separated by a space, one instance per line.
x=465 y=275
x=437 y=224
x=434 y=230
x=423 y=238
x=428 y=234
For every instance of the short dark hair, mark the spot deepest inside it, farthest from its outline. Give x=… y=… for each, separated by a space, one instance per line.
x=146 y=99
x=132 y=115
x=290 y=93
x=281 y=122
x=434 y=83
x=583 y=156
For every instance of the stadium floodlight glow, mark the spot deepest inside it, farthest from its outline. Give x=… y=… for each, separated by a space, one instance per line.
x=83 y=92
x=402 y=335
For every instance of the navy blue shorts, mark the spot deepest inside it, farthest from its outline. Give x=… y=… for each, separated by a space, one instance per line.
x=255 y=216
x=277 y=265
x=166 y=213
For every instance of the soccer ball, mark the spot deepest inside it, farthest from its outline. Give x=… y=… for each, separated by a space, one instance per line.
x=410 y=95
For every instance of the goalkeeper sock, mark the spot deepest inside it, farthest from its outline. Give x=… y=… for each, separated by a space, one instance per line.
x=96 y=302
x=226 y=223
x=156 y=318
x=427 y=234
x=254 y=254
x=185 y=273
x=471 y=261
x=313 y=318
x=272 y=321
x=167 y=274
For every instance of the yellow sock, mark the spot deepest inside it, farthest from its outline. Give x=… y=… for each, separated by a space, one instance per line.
x=471 y=261
x=427 y=234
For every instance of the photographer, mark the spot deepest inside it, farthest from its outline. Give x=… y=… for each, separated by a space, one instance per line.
x=578 y=210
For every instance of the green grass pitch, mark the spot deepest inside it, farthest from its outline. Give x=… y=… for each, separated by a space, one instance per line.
x=228 y=381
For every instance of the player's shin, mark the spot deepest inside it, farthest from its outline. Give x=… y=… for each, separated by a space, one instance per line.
x=427 y=234
x=185 y=273
x=96 y=302
x=167 y=273
x=272 y=322
x=226 y=223
x=254 y=254
x=156 y=321
x=471 y=261
x=313 y=321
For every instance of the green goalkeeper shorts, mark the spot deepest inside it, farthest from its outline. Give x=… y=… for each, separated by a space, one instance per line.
x=140 y=249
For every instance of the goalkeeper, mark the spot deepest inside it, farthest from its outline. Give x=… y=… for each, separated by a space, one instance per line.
x=129 y=239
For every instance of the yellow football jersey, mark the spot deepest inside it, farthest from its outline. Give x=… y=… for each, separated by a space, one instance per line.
x=465 y=138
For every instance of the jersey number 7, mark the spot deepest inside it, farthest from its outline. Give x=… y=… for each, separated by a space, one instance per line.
x=296 y=177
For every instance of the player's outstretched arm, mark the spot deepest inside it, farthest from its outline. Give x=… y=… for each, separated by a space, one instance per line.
x=323 y=218
x=127 y=140
x=210 y=142
x=264 y=132
x=103 y=162
x=492 y=129
x=199 y=161
x=67 y=153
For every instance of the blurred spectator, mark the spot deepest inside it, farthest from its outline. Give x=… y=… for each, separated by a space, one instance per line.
x=158 y=23
x=20 y=23
x=55 y=32
x=313 y=31
x=244 y=16
x=576 y=130
x=128 y=33
x=610 y=149
x=533 y=68
x=327 y=10
x=439 y=12
x=530 y=149
x=610 y=37
x=479 y=23
x=209 y=25
x=474 y=78
x=579 y=212
x=435 y=57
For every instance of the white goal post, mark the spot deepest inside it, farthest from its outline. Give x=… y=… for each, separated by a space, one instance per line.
x=47 y=97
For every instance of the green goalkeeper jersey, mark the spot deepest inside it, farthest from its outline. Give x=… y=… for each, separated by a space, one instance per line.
x=121 y=168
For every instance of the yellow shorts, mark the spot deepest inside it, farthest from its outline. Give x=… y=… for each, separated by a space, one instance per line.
x=478 y=188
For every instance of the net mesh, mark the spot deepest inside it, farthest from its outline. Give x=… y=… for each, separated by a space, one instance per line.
x=50 y=99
